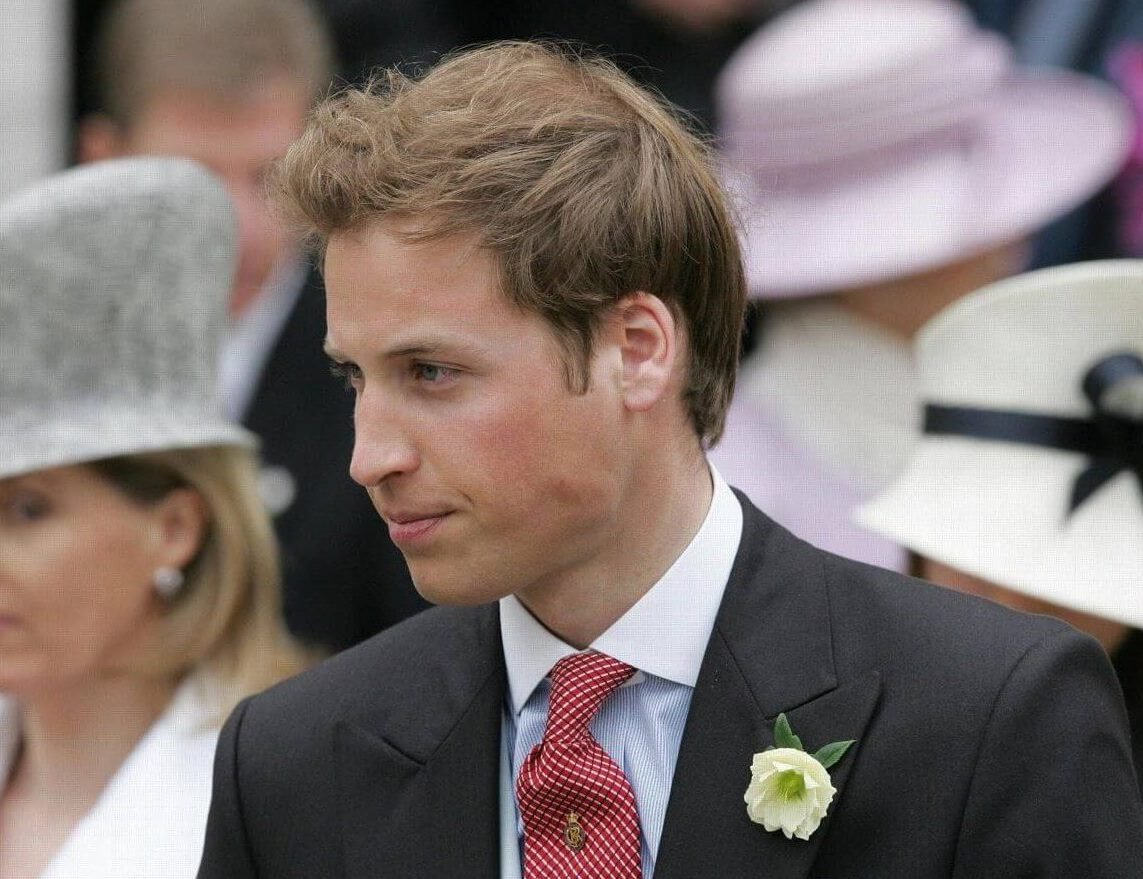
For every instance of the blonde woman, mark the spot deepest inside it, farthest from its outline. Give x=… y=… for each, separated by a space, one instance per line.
x=138 y=576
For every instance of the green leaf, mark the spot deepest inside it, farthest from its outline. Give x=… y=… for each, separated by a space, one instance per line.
x=784 y=736
x=831 y=753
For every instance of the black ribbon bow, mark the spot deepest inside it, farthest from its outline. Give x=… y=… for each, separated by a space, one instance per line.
x=1112 y=437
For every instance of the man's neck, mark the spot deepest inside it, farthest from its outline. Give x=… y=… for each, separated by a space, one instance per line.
x=660 y=511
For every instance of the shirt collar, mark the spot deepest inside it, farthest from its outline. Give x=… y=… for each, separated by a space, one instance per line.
x=664 y=634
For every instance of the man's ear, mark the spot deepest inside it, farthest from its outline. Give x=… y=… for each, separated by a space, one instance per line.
x=648 y=343
x=99 y=137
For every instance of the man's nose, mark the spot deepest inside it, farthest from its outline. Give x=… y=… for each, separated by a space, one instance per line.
x=382 y=447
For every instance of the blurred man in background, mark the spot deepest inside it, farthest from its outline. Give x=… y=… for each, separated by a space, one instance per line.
x=229 y=83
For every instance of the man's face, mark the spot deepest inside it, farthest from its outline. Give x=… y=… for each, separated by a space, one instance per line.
x=237 y=139
x=492 y=475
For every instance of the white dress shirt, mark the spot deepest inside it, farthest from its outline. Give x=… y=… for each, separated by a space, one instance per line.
x=664 y=636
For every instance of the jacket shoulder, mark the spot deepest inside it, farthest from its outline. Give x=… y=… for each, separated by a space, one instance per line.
x=402 y=666
x=909 y=618
x=878 y=615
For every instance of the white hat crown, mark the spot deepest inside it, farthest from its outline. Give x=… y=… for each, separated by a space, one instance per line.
x=1025 y=343
x=114 y=279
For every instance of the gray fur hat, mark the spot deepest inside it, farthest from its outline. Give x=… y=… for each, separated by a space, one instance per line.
x=114 y=279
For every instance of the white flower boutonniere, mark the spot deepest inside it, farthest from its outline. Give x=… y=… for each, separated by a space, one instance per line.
x=790 y=790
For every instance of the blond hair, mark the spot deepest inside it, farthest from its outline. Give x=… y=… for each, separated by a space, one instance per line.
x=583 y=187
x=221 y=47
x=227 y=617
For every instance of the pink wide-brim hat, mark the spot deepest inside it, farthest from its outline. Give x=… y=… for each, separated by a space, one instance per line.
x=869 y=140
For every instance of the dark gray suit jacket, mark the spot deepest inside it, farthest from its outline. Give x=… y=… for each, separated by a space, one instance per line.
x=989 y=743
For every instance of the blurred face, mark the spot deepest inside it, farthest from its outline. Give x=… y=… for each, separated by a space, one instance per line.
x=237 y=139
x=904 y=305
x=1108 y=632
x=493 y=476
x=77 y=558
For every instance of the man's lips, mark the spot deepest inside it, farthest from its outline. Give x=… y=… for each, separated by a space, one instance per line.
x=409 y=528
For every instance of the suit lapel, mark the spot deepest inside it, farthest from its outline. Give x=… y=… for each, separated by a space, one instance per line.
x=419 y=781
x=771 y=651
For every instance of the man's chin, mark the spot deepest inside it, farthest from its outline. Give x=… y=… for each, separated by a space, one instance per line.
x=453 y=591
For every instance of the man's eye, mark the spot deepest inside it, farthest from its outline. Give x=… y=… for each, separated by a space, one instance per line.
x=349 y=373
x=430 y=372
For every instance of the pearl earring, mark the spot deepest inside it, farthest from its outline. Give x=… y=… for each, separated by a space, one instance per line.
x=167 y=581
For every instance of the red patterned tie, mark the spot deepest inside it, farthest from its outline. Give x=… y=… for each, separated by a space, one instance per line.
x=578 y=807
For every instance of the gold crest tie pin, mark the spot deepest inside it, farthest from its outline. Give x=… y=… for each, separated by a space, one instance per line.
x=574 y=836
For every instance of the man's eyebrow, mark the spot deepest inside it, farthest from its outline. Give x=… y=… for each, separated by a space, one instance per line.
x=418 y=349
x=426 y=347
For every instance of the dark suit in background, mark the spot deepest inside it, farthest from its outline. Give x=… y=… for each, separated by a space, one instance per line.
x=989 y=743
x=1083 y=35
x=1128 y=663
x=344 y=580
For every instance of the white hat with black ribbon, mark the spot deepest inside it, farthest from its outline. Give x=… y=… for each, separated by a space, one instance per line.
x=1029 y=473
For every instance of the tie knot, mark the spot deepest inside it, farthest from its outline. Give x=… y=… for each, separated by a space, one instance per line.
x=580 y=683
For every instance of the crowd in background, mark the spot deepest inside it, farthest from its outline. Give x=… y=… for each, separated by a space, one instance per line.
x=888 y=162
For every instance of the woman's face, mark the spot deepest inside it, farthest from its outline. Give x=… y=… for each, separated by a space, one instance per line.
x=77 y=563
x=1108 y=632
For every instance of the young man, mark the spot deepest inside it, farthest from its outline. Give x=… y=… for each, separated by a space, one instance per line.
x=229 y=83
x=536 y=294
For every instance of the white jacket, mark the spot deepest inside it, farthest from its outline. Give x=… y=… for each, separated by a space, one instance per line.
x=150 y=820
x=825 y=415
